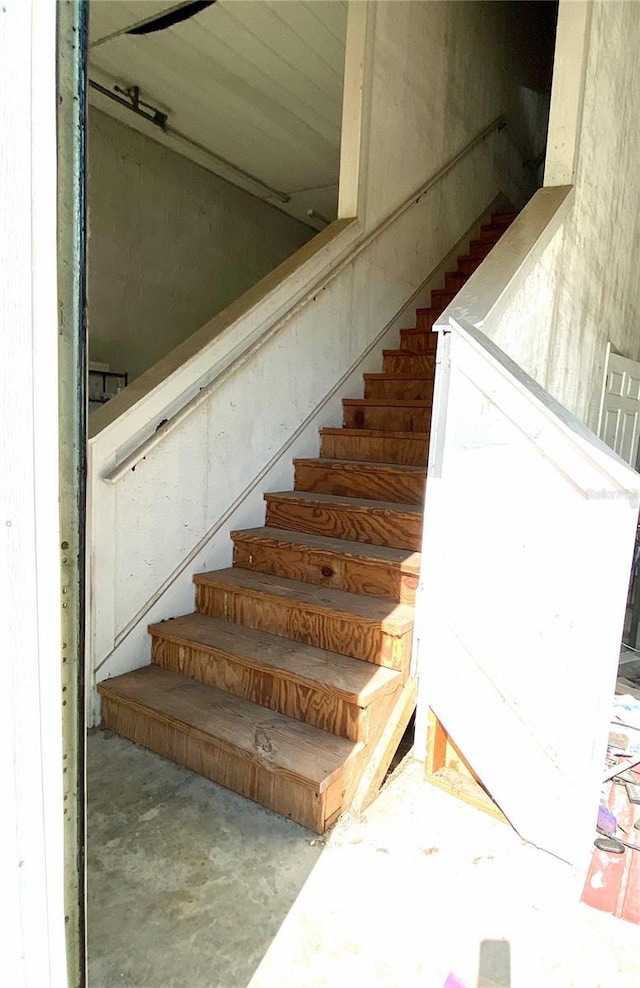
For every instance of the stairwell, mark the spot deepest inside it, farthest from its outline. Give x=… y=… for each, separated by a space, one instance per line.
x=291 y=684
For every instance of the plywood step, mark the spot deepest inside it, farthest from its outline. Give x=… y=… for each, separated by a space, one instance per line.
x=480 y=248
x=398 y=386
x=440 y=298
x=378 y=571
x=374 y=446
x=503 y=220
x=401 y=362
x=425 y=318
x=359 y=519
x=331 y=691
x=382 y=481
x=454 y=281
x=367 y=628
x=290 y=767
x=390 y=414
x=468 y=264
x=490 y=235
x=418 y=340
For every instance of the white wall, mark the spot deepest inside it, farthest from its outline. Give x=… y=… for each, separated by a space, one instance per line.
x=598 y=296
x=170 y=245
x=31 y=765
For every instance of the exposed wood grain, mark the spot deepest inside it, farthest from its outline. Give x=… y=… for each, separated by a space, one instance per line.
x=279 y=762
x=425 y=319
x=418 y=340
x=278 y=690
x=362 y=520
x=401 y=362
x=447 y=768
x=382 y=481
x=271 y=690
x=353 y=566
x=380 y=754
x=391 y=414
x=285 y=745
x=364 y=627
x=398 y=386
x=440 y=298
x=375 y=446
x=468 y=264
x=337 y=675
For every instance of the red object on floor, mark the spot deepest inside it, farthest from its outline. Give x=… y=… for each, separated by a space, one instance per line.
x=613 y=880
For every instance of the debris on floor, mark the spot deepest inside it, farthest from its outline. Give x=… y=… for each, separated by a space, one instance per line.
x=613 y=882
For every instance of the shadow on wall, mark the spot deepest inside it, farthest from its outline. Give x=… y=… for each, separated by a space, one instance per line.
x=170 y=246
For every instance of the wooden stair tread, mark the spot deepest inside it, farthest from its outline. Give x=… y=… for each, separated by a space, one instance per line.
x=387 y=402
x=285 y=745
x=358 y=681
x=407 y=353
x=409 y=378
x=394 y=619
x=339 y=500
x=372 y=433
x=407 y=561
x=358 y=466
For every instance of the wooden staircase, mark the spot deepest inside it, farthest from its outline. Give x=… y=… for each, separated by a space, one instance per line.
x=291 y=682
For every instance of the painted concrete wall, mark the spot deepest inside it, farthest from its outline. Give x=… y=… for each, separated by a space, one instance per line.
x=443 y=71
x=170 y=245
x=598 y=297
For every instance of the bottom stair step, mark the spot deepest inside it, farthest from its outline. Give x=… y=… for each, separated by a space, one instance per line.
x=290 y=767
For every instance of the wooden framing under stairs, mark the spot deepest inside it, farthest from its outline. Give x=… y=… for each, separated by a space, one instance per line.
x=291 y=684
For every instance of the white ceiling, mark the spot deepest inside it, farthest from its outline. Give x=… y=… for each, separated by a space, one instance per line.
x=256 y=82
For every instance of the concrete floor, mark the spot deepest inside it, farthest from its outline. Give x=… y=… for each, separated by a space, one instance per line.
x=190 y=885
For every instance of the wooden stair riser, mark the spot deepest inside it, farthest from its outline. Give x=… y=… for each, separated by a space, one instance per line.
x=228 y=767
x=399 y=417
x=440 y=299
x=480 y=248
x=387 y=386
x=388 y=482
x=489 y=236
x=345 y=633
x=372 y=577
x=454 y=280
x=503 y=220
x=418 y=341
x=403 y=362
x=468 y=264
x=396 y=529
x=375 y=447
x=425 y=318
x=333 y=713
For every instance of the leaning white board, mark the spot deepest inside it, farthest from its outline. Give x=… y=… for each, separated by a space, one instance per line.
x=528 y=535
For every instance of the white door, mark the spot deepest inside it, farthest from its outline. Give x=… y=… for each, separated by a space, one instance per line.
x=619 y=420
x=528 y=536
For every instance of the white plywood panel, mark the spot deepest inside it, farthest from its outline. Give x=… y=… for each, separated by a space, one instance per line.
x=529 y=530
